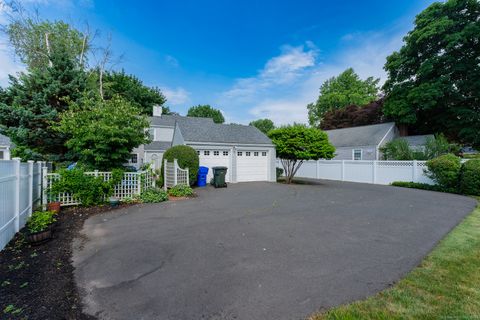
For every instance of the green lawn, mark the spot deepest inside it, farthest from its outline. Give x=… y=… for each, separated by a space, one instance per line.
x=446 y=285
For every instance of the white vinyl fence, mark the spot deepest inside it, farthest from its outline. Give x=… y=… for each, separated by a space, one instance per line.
x=133 y=183
x=376 y=172
x=20 y=191
x=174 y=175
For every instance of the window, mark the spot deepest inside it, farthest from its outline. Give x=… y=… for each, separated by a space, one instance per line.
x=247 y=153
x=357 y=154
x=2 y=155
x=264 y=154
x=239 y=153
x=206 y=153
x=225 y=153
x=133 y=158
x=198 y=152
x=255 y=154
x=216 y=153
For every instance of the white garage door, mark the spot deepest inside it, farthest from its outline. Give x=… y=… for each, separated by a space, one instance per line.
x=215 y=158
x=252 y=165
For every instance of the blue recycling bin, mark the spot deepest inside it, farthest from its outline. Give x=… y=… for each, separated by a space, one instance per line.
x=202 y=176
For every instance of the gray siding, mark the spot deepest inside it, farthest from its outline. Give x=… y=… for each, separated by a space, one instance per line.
x=346 y=153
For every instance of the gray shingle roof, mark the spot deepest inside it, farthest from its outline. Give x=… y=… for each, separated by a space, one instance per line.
x=205 y=130
x=359 y=136
x=158 y=146
x=419 y=140
x=5 y=141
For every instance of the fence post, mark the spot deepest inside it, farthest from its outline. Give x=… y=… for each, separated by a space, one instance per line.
x=318 y=169
x=17 y=193
x=139 y=182
x=44 y=187
x=415 y=173
x=30 y=186
x=175 y=166
x=96 y=173
x=343 y=170
x=165 y=174
x=374 y=163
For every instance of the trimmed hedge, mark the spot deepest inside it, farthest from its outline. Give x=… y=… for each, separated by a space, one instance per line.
x=422 y=186
x=187 y=158
x=470 y=178
x=445 y=170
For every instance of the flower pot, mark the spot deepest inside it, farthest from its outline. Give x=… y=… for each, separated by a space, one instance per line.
x=54 y=206
x=114 y=202
x=40 y=237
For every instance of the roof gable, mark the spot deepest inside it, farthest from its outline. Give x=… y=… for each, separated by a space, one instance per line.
x=370 y=135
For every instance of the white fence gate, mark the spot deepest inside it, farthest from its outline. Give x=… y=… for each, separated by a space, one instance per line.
x=377 y=172
x=20 y=191
x=174 y=175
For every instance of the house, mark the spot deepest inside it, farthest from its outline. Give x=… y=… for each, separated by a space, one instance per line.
x=364 y=142
x=248 y=154
x=5 y=146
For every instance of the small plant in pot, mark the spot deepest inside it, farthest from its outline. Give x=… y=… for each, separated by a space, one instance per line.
x=54 y=206
x=39 y=226
x=114 y=201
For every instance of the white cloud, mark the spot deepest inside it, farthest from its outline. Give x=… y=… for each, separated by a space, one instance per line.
x=176 y=96
x=290 y=81
x=172 y=61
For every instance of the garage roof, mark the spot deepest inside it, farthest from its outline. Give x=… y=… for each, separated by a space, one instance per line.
x=5 y=141
x=370 y=135
x=158 y=146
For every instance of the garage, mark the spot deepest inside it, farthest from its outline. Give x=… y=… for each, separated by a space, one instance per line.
x=215 y=158
x=252 y=165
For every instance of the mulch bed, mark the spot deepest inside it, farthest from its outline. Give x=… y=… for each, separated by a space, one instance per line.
x=36 y=282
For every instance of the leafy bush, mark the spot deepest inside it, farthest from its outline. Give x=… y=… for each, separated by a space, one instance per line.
x=180 y=190
x=470 y=178
x=153 y=195
x=40 y=221
x=279 y=172
x=400 y=149
x=88 y=189
x=422 y=186
x=445 y=170
x=187 y=158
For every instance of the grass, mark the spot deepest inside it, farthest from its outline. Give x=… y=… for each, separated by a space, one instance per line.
x=446 y=285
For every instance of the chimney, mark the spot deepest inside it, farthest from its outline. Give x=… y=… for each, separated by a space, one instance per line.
x=157 y=111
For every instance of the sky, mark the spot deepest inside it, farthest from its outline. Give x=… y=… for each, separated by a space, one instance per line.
x=250 y=59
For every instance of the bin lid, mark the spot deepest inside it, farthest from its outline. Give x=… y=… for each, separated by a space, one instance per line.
x=219 y=168
x=203 y=169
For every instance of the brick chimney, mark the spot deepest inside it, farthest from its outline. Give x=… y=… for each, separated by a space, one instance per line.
x=157 y=111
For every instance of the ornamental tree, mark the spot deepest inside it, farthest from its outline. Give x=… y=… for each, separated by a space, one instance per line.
x=264 y=125
x=298 y=143
x=206 y=111
x=102 y=133
x=433 y=81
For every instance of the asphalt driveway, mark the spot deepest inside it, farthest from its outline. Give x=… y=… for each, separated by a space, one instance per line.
x=258 y=250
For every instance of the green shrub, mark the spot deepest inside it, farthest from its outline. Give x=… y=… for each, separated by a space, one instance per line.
x=89 y=190
x=417 y=185
x=40 y=221
x=180 y=190
x=470 y=178
x=187 y=158
x=445 y=170
x=279 y=172
x=153 y=195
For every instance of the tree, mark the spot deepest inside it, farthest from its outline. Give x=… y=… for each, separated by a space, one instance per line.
x=353 y=116
x=341 y=91
x=434 y=80
x=34 y=101
x=206 y=111
x=297 y=143
x=134 y=91
x=103 y=132
x=264 y=125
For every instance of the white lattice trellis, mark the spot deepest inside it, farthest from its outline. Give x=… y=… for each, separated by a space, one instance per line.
x=174 y=175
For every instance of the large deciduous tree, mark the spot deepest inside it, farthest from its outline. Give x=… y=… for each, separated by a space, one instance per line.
x=102 y=133
x=297 y=143
x=341 y=91
x=206 y=111
x=264 y=125
x=434 y=80
x=34 y=101
x=353 y=116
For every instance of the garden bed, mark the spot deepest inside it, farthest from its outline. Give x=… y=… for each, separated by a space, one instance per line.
x=36 y=282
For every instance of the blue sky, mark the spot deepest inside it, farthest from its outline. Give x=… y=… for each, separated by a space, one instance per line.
x=251 y=59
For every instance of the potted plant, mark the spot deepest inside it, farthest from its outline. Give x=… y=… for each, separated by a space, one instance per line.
x=114 y=201
x=54 y=206
x=39 y=226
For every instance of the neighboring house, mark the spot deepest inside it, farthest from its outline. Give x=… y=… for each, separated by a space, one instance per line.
x=5 y=146
x=248 y=154
x=364 y=142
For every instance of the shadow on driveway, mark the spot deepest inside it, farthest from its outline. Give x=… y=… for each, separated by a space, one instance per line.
x=258 y=250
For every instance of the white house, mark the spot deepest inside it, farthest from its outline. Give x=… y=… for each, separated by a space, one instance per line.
x=364 y=142
x=5 y=146
x=248 y=154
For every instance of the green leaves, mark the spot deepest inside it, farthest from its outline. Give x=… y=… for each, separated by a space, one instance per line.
x=341 y=91
x=264 y=125
x=206 y=111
